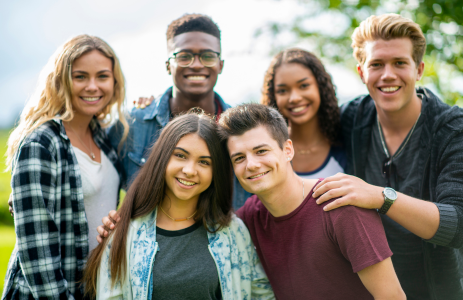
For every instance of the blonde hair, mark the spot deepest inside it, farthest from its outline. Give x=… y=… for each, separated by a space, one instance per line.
x=387 y=27
x=52 y=98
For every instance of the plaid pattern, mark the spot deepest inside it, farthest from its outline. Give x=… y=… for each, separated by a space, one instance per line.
x=49 y=215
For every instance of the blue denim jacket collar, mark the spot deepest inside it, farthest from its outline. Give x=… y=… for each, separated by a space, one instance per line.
x=161 y=109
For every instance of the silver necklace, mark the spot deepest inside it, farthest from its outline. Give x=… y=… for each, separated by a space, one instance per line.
x=406 y=141
x=303 y=190
x=92 y=155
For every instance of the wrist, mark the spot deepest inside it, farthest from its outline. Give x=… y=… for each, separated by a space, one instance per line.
x=390 y=195
x=379 y=197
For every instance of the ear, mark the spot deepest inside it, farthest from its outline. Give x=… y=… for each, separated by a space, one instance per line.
x=288 y=150
x=168 y=66
x=420 y=71
x=360 y=71
x=221 y=66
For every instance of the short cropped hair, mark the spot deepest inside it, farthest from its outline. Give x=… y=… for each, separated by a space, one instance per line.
x=238 y=120
x=387 y=27
x=190 y=23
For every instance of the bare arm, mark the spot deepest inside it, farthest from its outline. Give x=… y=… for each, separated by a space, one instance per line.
x=381 y=281
x=418 y=216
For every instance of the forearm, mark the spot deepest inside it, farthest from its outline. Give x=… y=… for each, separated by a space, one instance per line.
x=418 y=216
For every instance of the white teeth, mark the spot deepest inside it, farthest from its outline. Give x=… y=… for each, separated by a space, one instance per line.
x=258 y=175
x=389 y=89
x=91 y=99
x=189 y=183
x=298 y=109
x=196 y=78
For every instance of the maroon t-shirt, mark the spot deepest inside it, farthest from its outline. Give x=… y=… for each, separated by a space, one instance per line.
x=313 y=254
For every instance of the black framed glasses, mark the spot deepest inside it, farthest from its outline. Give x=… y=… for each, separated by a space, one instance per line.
x=388 y=170
x=186 y=58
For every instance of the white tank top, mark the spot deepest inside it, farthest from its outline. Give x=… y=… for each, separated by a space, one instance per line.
x=100 y=184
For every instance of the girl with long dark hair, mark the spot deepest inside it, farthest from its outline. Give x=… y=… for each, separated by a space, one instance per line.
x=297 y=84
x=177 y=237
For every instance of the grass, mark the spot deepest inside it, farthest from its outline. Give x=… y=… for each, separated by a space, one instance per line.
x=7 y=234
x=6 y=247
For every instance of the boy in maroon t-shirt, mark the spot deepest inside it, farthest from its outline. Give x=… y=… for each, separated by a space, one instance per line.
x=307 y=253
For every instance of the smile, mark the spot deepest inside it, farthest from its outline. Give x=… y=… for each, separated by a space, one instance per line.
x=389 y=89
x=185 y=182
x=258 y=175
x=91 y=99
x=196 y=77
x=298 y=110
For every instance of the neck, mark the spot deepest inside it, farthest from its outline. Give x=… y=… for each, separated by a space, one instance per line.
x=182 y=103
x=401 y=121
x=283 y=199
x=79 y=124
x=177 y=209
x=307 y=134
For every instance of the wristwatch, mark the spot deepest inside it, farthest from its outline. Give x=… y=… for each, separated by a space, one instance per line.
x=390 y=196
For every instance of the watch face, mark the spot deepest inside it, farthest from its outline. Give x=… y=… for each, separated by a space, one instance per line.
x=390 y=193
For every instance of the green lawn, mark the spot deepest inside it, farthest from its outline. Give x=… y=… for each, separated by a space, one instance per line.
x=6 y=247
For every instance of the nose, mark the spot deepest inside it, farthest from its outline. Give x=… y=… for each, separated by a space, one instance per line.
x=196 y=63
x=91 y=86
x=252 y=163
x=189 y=169
x=389 y=73
x=294 y=96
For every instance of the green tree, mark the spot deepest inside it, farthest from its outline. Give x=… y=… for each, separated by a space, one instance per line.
x=440 y=20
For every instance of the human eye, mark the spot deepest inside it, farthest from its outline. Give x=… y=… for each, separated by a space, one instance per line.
x=205 y=162
x=79 y=76
x=209 y=56
x=183 y=56
x=180 y=155
x=238 y=159
x=280 y=91
x=401 y=63
x=305 y=85
x=375 y=65
x=262 y=151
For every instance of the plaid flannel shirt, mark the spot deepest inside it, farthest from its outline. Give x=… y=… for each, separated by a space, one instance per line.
x=49 y=215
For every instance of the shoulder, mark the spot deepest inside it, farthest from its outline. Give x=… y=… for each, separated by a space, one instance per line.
x=46 y=136
x=252 y=206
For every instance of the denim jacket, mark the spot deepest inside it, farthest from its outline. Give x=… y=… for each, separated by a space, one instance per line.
x=145 y=126
x=240 y=272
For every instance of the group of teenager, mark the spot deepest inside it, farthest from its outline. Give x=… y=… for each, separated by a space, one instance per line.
x=249 y=202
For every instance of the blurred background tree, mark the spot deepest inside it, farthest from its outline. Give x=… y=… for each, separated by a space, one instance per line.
x=328 y=25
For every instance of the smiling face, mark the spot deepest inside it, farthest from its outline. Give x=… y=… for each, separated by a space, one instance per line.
x=258 y=161
x=196 y=79
x=296 y=93
x=189 y=171
x=390 y=73
x=92 y=83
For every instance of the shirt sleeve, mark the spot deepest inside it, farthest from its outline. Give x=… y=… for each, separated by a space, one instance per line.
x=360 y=236
x=37 y=235
x=449 y=191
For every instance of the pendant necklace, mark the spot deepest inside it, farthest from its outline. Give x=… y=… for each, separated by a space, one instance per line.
x=92 y=155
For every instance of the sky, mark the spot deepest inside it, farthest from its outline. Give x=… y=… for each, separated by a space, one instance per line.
x=31 y=31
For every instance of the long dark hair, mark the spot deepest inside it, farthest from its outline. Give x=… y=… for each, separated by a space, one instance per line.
x=328 y=114
x=148 y=189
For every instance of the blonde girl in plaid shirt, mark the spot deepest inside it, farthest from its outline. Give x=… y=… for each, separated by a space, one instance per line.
x=82 y=82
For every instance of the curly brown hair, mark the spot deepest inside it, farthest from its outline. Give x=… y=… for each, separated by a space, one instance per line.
x=328 y=114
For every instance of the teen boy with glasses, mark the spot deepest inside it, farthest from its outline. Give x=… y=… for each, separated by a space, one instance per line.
x=405 y=149
x=193 y=44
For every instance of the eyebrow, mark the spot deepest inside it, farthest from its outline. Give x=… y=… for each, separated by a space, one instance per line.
x=255 y=148
x=102 y=71
x=299 y=81
x=181 y=149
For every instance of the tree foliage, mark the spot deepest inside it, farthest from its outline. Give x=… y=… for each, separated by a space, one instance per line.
x=328 y=26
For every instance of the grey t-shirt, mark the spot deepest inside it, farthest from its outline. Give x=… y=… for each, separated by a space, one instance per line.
x=408 y=257
x=183 y=267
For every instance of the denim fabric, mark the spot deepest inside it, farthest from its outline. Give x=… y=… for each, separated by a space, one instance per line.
x=145 y=125
x=240 y=272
